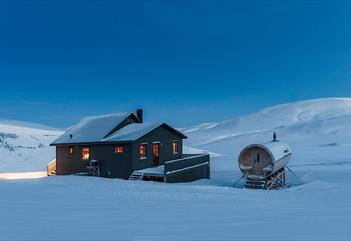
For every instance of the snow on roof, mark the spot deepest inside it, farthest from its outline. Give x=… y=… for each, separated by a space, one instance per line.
x=92 y=129
x=278 y=149
x=131 y=132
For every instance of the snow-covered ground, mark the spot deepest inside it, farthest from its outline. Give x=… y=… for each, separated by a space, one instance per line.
x=87 y=208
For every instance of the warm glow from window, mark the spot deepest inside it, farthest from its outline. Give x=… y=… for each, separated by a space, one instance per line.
x=85 y=153
x=175 y=147
x=156 y=149
x=119 y=149
x=22 y=175
x=142 y=151
x=70 y=150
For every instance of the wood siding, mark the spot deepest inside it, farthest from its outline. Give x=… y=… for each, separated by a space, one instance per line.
x=70 y=164
x=249 y=158
x=113 y=164
x=165 y=137
x=188 y=169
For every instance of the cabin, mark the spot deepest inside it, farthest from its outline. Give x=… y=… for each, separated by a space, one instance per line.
x=263 y=165
x=123 y=146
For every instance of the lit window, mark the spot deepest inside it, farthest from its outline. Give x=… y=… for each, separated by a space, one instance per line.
x=70 y=150
x=85 y=153
x=142 y=151
x=175 y=147
x=119 y=149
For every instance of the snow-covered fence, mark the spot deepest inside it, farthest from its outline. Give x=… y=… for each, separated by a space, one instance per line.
x=190 y=168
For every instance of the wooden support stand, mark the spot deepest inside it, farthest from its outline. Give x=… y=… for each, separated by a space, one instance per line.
x=275 y=181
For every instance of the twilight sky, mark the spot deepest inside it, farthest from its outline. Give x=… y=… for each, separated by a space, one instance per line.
x=183 y=62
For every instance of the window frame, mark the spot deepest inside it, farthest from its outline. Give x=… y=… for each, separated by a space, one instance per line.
x=158 y=143
x=83 y=155
x=144 y=156
x=71 y=150
x=118 y=150
x=175 y=147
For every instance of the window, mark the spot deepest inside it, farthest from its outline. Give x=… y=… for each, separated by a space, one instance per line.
x=258 y=157
x=85 y=153
x=70 y=150
x=143 y=151
x=175 y=147
x=119 y=149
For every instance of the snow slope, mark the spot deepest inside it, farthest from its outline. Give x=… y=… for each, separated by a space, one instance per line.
x=318 y=131
x=88 y=208
x=25 y=146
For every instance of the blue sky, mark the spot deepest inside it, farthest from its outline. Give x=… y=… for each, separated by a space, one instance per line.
x=184 y=62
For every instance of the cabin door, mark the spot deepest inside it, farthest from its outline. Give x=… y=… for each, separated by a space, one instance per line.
x=156 y=154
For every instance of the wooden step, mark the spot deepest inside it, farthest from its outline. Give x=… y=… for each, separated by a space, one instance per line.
x=136 y=176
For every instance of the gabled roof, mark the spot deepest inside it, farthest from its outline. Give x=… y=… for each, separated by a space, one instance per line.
x=91 y=129
x=102 y=129
x=134 y=131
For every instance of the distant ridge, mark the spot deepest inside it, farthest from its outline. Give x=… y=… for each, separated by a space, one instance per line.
x=27 y=124
x=318 y=131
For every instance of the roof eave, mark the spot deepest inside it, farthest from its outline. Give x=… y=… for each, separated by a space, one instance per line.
x=90 y=143
x=175 y=130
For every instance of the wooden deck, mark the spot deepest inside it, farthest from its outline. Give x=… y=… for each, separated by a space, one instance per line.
x=189 y=168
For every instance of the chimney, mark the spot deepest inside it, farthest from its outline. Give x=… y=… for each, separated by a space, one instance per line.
x=139 y=114
x=274 y=136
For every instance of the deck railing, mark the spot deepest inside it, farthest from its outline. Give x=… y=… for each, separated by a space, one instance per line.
x=51 y=167
x=189 y=168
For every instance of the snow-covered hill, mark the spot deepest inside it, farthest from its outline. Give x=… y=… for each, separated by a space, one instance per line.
x=318 y=131
x=24 y=146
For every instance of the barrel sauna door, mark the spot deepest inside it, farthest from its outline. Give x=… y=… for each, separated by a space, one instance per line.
x=156 y=154
x=257 y=163
x=261 y=160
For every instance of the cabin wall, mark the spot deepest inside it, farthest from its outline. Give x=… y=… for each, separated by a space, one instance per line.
x=165 y=137
x=113 y=164
x=67 y=163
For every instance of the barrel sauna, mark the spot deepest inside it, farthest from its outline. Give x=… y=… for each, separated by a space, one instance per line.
x=259 y=162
